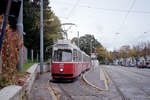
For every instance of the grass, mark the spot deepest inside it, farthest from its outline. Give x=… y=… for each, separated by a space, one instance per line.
x=28 y=65
x=14 y=80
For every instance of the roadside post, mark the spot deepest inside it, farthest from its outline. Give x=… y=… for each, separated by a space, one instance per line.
x=41 y=37
x=20 y=29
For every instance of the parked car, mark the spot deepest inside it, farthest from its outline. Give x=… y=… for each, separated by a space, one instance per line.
x=141 y=66
x=148 y=66
x=132 y=65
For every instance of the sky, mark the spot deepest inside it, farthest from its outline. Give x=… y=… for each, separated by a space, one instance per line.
x=113 y=23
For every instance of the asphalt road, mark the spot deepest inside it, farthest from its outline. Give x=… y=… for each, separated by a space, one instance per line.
x=130 y=83
x=77 y=90
x=125 y=84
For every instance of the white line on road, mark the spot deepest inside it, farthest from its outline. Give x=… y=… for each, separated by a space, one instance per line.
x=102 y=77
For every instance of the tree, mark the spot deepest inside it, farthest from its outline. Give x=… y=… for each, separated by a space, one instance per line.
x=32 y=25
x=124 y=51
x=85 y=43
x=101 y=54
x=109 y=57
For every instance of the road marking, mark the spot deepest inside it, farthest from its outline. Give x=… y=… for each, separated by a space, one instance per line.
x=107 y=80
x=58 y=96
x=103 y=77
x=148 y=97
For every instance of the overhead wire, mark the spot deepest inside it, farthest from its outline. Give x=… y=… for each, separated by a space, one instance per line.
x=74 y=7
x=115 y=10
x=126 y=16
x=105 y=9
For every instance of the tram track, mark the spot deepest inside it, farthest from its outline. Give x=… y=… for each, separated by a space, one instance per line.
x=62 y=90
x=142 y=74
x=139 y=73
x=132 y=81
x=117 y=88
x=69 y=97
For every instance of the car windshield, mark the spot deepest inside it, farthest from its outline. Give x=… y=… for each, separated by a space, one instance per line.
x=62 y=55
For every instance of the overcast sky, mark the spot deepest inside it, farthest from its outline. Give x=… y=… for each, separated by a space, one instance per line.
x=113 y=22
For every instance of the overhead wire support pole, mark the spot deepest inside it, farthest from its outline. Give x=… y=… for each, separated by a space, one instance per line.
x=91 y=44
x=5 y=24
x=41 y=37
x=78 y=39
x=3 y=30
x=20 y=29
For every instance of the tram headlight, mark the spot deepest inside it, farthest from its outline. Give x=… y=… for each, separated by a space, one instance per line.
x=61 y=70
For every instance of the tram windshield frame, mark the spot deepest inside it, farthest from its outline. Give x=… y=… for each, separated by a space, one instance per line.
x=62 y=55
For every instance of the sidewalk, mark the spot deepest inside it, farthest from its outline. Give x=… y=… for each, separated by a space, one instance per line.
x=95 y=77
x=40 y=87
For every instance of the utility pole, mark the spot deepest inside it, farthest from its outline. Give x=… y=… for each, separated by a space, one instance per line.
x=32 y=55
x=91 y=44
x=20 y=29
x=3 y=31
x=41 y=37
x=78 y=39
x=37 y=59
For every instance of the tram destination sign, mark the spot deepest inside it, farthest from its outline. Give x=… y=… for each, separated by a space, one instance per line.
x=61 y=46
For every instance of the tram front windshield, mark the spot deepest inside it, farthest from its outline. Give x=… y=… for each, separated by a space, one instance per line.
x=62 y=55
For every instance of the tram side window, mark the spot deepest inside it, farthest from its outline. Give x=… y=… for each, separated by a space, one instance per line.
x=63 y=55
x=74 y=55
x=84 y=58
x=79 y=56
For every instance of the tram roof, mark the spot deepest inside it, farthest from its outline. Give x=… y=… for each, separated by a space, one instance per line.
x=68 y=42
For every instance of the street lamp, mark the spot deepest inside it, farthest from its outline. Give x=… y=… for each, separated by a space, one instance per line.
x=91 y=43
x=41 y=37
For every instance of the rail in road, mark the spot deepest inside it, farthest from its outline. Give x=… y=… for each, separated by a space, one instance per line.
x=77 y=90
x=130 y=84
x=65 y=92
x=80 y=90
x=137 y=72
x=117 y=88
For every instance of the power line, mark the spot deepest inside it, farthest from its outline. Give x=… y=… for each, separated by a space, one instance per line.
x=107 y=9
x=74 y=7
x=126 y=16
x=128 y=12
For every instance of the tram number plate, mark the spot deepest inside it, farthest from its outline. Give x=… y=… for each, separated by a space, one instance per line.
x=61 y=65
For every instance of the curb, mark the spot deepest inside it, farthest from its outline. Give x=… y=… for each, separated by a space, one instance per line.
x=100 y=89
x=18 y=94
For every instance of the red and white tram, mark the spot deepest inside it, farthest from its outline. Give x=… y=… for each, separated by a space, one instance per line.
x=68 y=60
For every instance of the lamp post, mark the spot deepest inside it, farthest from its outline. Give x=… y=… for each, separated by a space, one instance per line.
x=21 y=32
x=91 y=45
x=78 y=39
x=41 y=37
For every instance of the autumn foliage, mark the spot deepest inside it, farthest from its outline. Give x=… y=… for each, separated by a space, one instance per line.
x=10 y=54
